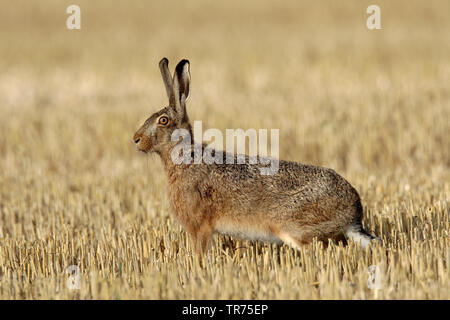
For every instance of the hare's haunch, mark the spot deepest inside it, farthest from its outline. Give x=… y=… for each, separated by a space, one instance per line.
x=294 y=205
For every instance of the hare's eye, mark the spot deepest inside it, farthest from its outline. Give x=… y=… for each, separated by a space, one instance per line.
x=163 y=120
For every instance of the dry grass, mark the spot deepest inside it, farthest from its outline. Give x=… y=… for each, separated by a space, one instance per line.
x=374 y=105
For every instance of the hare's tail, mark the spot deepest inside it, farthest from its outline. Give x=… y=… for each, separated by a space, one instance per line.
x=357 y=233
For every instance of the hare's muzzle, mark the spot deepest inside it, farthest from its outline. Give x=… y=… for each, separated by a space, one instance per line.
x=138 y=140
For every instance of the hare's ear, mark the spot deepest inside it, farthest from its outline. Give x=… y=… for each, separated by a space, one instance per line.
x=181 y=83
x=164 y=67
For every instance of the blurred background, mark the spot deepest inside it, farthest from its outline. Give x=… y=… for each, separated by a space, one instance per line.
x=342 y=95
x=372 y=104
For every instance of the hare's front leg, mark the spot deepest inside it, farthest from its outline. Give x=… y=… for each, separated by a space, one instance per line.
x=201 y=235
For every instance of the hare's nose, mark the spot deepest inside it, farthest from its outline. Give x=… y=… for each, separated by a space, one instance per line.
x=136 y=140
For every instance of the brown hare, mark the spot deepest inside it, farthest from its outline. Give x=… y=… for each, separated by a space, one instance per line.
x=295 y=205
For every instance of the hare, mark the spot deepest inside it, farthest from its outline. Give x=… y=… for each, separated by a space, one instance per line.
x=295 y=205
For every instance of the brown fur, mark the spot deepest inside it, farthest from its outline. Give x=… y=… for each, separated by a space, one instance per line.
x=295 y=205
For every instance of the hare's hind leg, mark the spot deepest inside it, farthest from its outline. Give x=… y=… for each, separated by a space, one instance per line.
x=299 y=238
x=290 y=240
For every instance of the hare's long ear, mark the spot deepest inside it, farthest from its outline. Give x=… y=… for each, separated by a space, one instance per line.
x=181 y=83
x=164 y=67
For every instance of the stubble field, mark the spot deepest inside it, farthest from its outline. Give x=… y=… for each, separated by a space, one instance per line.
x=373 y=105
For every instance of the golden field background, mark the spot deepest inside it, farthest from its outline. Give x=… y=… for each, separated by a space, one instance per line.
x=373 y=105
